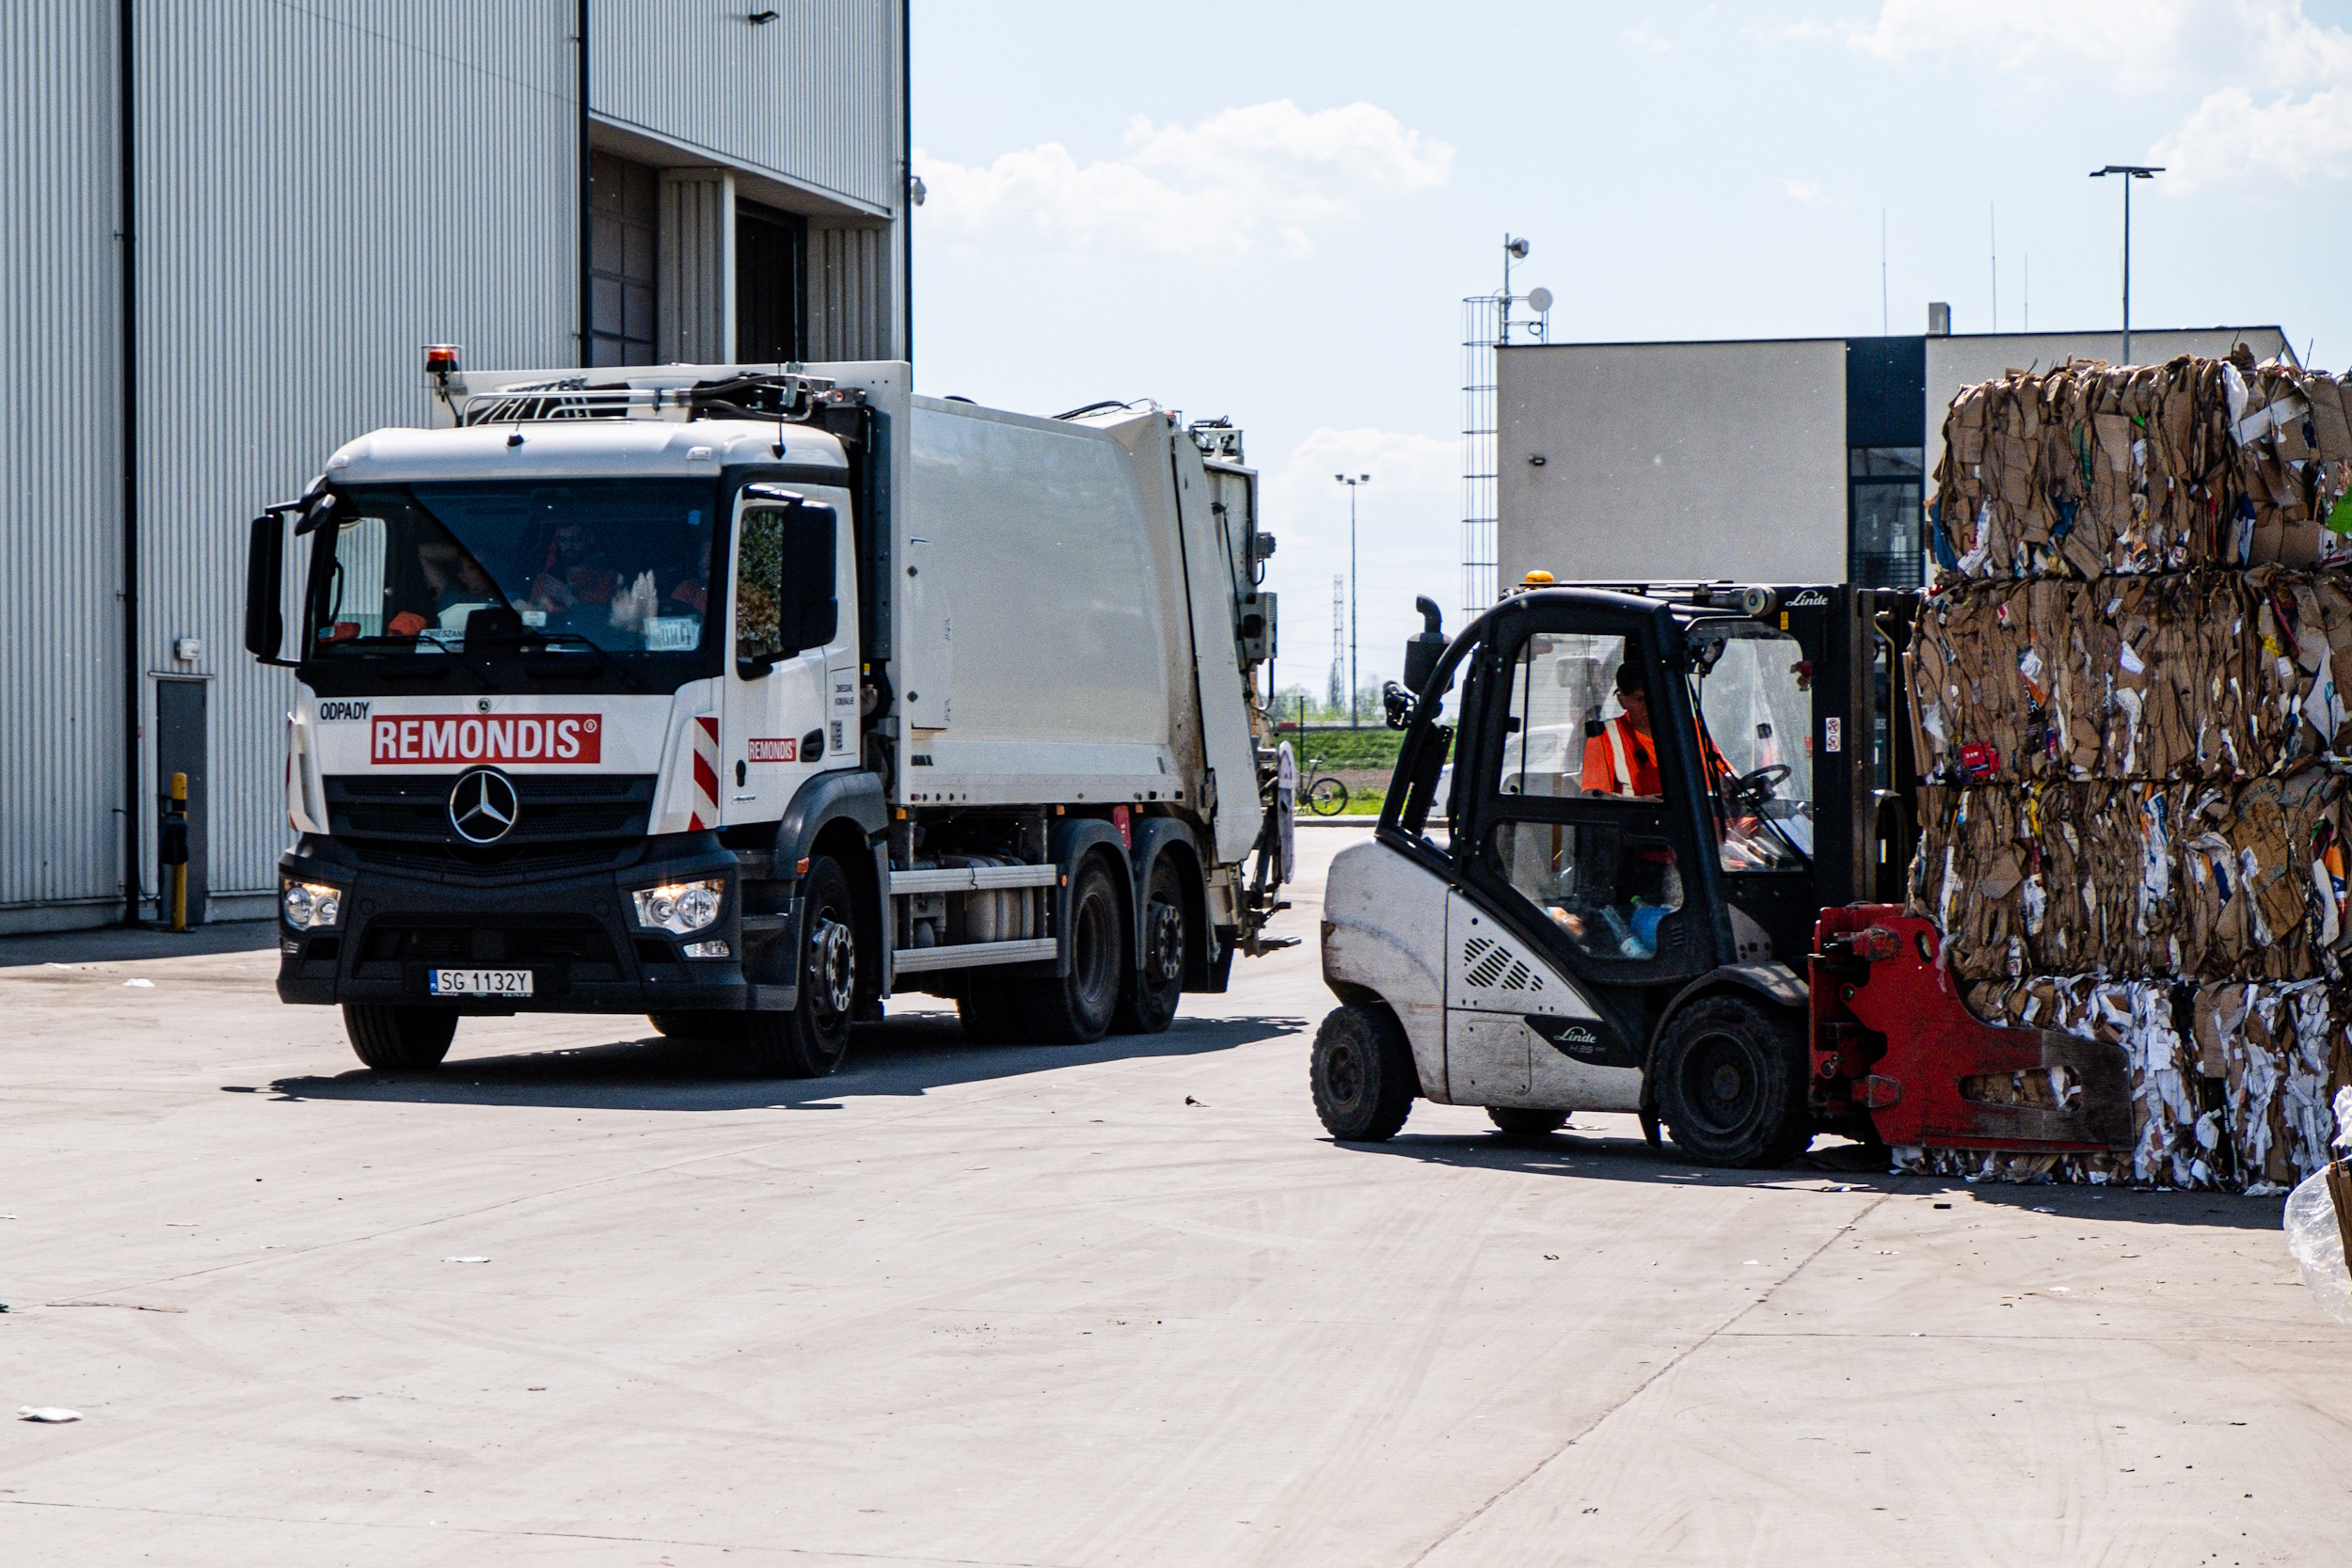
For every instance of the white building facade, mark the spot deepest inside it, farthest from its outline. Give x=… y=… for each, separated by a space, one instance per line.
x=231 y=228
x=1792 y=460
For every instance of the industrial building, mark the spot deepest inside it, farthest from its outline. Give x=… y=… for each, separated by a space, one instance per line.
x=1783 y=460
x=228 y=232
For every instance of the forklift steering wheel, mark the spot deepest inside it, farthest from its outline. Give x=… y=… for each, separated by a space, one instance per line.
x=1752 y=789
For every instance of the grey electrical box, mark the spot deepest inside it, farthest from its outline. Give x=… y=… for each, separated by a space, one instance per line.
x=1257 y=627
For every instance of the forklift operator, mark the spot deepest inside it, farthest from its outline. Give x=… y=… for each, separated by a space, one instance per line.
x=1623 y=758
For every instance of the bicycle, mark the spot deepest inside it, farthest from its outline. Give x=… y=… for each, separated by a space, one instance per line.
x=1325 y=795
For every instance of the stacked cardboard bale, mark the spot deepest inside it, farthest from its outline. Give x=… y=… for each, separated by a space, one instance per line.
x=2127 y=695
x=2089 y=470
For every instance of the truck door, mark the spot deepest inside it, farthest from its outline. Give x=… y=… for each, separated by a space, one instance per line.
x=1578 y=840
x=790 y=646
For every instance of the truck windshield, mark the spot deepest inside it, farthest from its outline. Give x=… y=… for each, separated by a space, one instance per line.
x=1756 y=698
x=618 y=565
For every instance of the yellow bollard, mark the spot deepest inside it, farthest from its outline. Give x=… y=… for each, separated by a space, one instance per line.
x=180 y=869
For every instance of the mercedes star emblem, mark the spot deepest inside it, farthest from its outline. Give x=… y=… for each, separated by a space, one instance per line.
x=482 y=807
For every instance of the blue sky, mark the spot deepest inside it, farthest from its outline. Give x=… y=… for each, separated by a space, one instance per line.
x=1274 y=212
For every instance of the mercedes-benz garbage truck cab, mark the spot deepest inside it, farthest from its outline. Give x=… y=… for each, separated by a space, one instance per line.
x=747 y=697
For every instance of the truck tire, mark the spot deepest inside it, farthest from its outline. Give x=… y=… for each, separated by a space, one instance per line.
x=813 y=1038
x=1518 y=1121
x=1147 y=1006
x=399 y=1039
x=989 y=1010
x=1076 y=1008
x=1362 y=1075
x=698 y=1026
x=1730 y=1074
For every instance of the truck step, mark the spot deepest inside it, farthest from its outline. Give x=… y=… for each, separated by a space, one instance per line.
x=970 y=955
x=964 y=879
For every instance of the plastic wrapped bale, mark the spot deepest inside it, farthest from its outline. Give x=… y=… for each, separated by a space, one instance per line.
x=2315 y=1225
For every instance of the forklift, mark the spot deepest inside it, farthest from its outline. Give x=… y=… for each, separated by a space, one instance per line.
x=1652 y=859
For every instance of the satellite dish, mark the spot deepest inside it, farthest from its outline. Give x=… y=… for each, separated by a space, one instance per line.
x=1516 y=247
x=1539 y=300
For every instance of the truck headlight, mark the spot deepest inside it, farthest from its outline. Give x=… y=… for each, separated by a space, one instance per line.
x=678 y=906
x=311 y=906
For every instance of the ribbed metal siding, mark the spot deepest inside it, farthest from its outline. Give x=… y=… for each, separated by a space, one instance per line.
x=325 y=187
x=852 y=288
x=60 y=509
x=811 y=98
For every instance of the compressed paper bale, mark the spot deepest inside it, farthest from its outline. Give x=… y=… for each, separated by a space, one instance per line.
x=2209 y=882
x=2174 y=677
x=2090 y=469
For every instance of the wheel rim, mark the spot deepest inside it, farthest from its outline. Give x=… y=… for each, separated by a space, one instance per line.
x=831 y=965
x=1163 y=943
x=1720 y=1083
x=1343 y=1075
x=1093 y=964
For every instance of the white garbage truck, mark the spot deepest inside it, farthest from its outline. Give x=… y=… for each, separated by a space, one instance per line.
x=746 y=697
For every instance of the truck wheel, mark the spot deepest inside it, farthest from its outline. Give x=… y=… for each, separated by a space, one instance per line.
x=399 y=1039
x=1362 y=1075
x=1516 y=1121
x=1075 y=1008
x=698 y=1026
x=813 y=1038
x=1148 y=1005
x=990 y=1013
x=1730 y=1076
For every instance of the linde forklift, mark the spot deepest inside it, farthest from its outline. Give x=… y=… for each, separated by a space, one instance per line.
x=1701 y=923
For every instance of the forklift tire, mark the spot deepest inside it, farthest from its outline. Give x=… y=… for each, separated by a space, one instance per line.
x=989 y=1014
x=813 y=1039
x=1730 y=1076
x=1148 y=1005
x=399 y=1039
x=1362 y=1075
x=707 y=1025
x=1076 y=1008
x=1516 y=1121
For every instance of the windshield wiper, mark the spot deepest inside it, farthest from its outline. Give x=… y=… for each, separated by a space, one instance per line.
x=603 y=663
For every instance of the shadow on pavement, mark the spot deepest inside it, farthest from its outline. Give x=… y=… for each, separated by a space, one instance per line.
x=901 y=1056
x=127 y=945
x=1597 y=1156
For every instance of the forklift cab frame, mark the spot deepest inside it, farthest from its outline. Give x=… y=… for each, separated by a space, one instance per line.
x=1649 y=905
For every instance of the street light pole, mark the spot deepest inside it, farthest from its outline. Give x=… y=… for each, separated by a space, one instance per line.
x=2130 y=172
x=1351 y=480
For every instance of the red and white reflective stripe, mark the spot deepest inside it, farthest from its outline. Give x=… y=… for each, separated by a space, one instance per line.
x=705 y=813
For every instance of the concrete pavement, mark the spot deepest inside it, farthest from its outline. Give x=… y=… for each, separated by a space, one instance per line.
x=1122 y=1304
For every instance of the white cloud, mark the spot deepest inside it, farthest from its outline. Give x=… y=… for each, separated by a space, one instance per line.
x=1801 y=190
x=2134 y=41
x=2283 y=110
x=1209 y=191
x=1641 y=38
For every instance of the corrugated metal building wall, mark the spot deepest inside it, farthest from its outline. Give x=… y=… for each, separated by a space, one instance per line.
x=324 y=185
x=812 y=101
x=800 y=100
x=423 y=187
x=61 y=673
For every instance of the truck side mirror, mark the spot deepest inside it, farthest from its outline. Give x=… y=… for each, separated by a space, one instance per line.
x=1425 y=647
x=809 y=548
x=265 y=576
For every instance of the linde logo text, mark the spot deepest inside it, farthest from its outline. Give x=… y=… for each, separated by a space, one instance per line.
x=573 y=737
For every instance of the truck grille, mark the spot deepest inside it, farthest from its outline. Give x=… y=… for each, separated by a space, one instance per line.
x=554 y=816
x=546 y=940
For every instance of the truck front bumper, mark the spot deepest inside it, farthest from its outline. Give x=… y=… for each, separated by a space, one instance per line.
x=571 y=927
